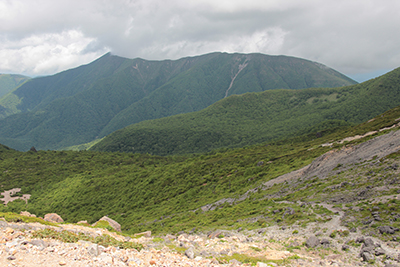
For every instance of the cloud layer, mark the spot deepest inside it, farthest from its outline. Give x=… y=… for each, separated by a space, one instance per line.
x=44 y=37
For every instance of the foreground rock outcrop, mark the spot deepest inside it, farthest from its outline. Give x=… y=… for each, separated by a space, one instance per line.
x=25 y=244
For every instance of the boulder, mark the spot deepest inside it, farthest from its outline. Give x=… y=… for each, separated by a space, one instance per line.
x=367 y=256
x=312 y=242
x=116 y=226
x=387 y=230
x=53 y=217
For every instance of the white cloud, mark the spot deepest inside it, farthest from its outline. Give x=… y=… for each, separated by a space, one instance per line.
x=46 y=53
x=351 y=36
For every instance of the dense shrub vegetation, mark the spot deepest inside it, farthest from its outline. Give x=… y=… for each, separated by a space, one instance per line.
x=146 y=192
x=253 y=118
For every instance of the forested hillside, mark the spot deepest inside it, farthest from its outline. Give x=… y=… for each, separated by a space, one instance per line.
x=82 y=104
x=258 y=117
x=145 y=192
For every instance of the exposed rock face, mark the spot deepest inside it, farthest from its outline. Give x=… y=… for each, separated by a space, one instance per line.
x=53 y=217
x=113 y=224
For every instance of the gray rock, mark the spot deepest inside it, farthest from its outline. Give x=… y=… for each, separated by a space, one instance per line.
x=360 y=239
x=39 y=243
x=116 y=226
x=189 y=253
x=104 y=257
x=289 y=211
x=345 y=247
x=234 y=262
x=387 y=229
x=390 y=265
x=53 y=217
x=379 y=251
x=312 y=242
x=224 y=252
x=93 y=250
x=367 y=256
x=135 y=260
x=369 y=243
x=325 y=243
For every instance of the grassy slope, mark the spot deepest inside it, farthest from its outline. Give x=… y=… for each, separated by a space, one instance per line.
x=81 y=104
x=253 y=118
x=138 y=190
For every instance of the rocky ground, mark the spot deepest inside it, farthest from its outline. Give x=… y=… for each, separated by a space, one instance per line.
x=272 y=246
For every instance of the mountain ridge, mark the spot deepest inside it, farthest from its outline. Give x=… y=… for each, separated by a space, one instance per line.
x=79 y=105
x=253 y=118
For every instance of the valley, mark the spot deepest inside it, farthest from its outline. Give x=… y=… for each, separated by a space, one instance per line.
x=260 y=176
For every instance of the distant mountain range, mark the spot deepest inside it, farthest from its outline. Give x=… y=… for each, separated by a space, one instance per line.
x=89 y=102
x=254 y=118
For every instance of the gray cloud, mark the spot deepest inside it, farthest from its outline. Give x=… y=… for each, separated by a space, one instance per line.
x=44 y=36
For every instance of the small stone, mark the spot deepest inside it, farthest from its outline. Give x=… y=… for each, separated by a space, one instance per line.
x=106 y=258
x=145 y=234
x=189 y=253
x=62 y=263
x=9 y=231
x=93 y=250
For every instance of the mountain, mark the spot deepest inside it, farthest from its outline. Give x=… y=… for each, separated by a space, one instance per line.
x=82 y=104
x=254 y=118
x=283 y=183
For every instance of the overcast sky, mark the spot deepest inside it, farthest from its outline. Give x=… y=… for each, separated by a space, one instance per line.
x=359 y=38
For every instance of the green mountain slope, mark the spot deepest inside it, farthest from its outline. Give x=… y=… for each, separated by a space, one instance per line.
x=224 y=75
x=258 y=117
x=9 y=81
x=166 y=194
x=82 y=104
